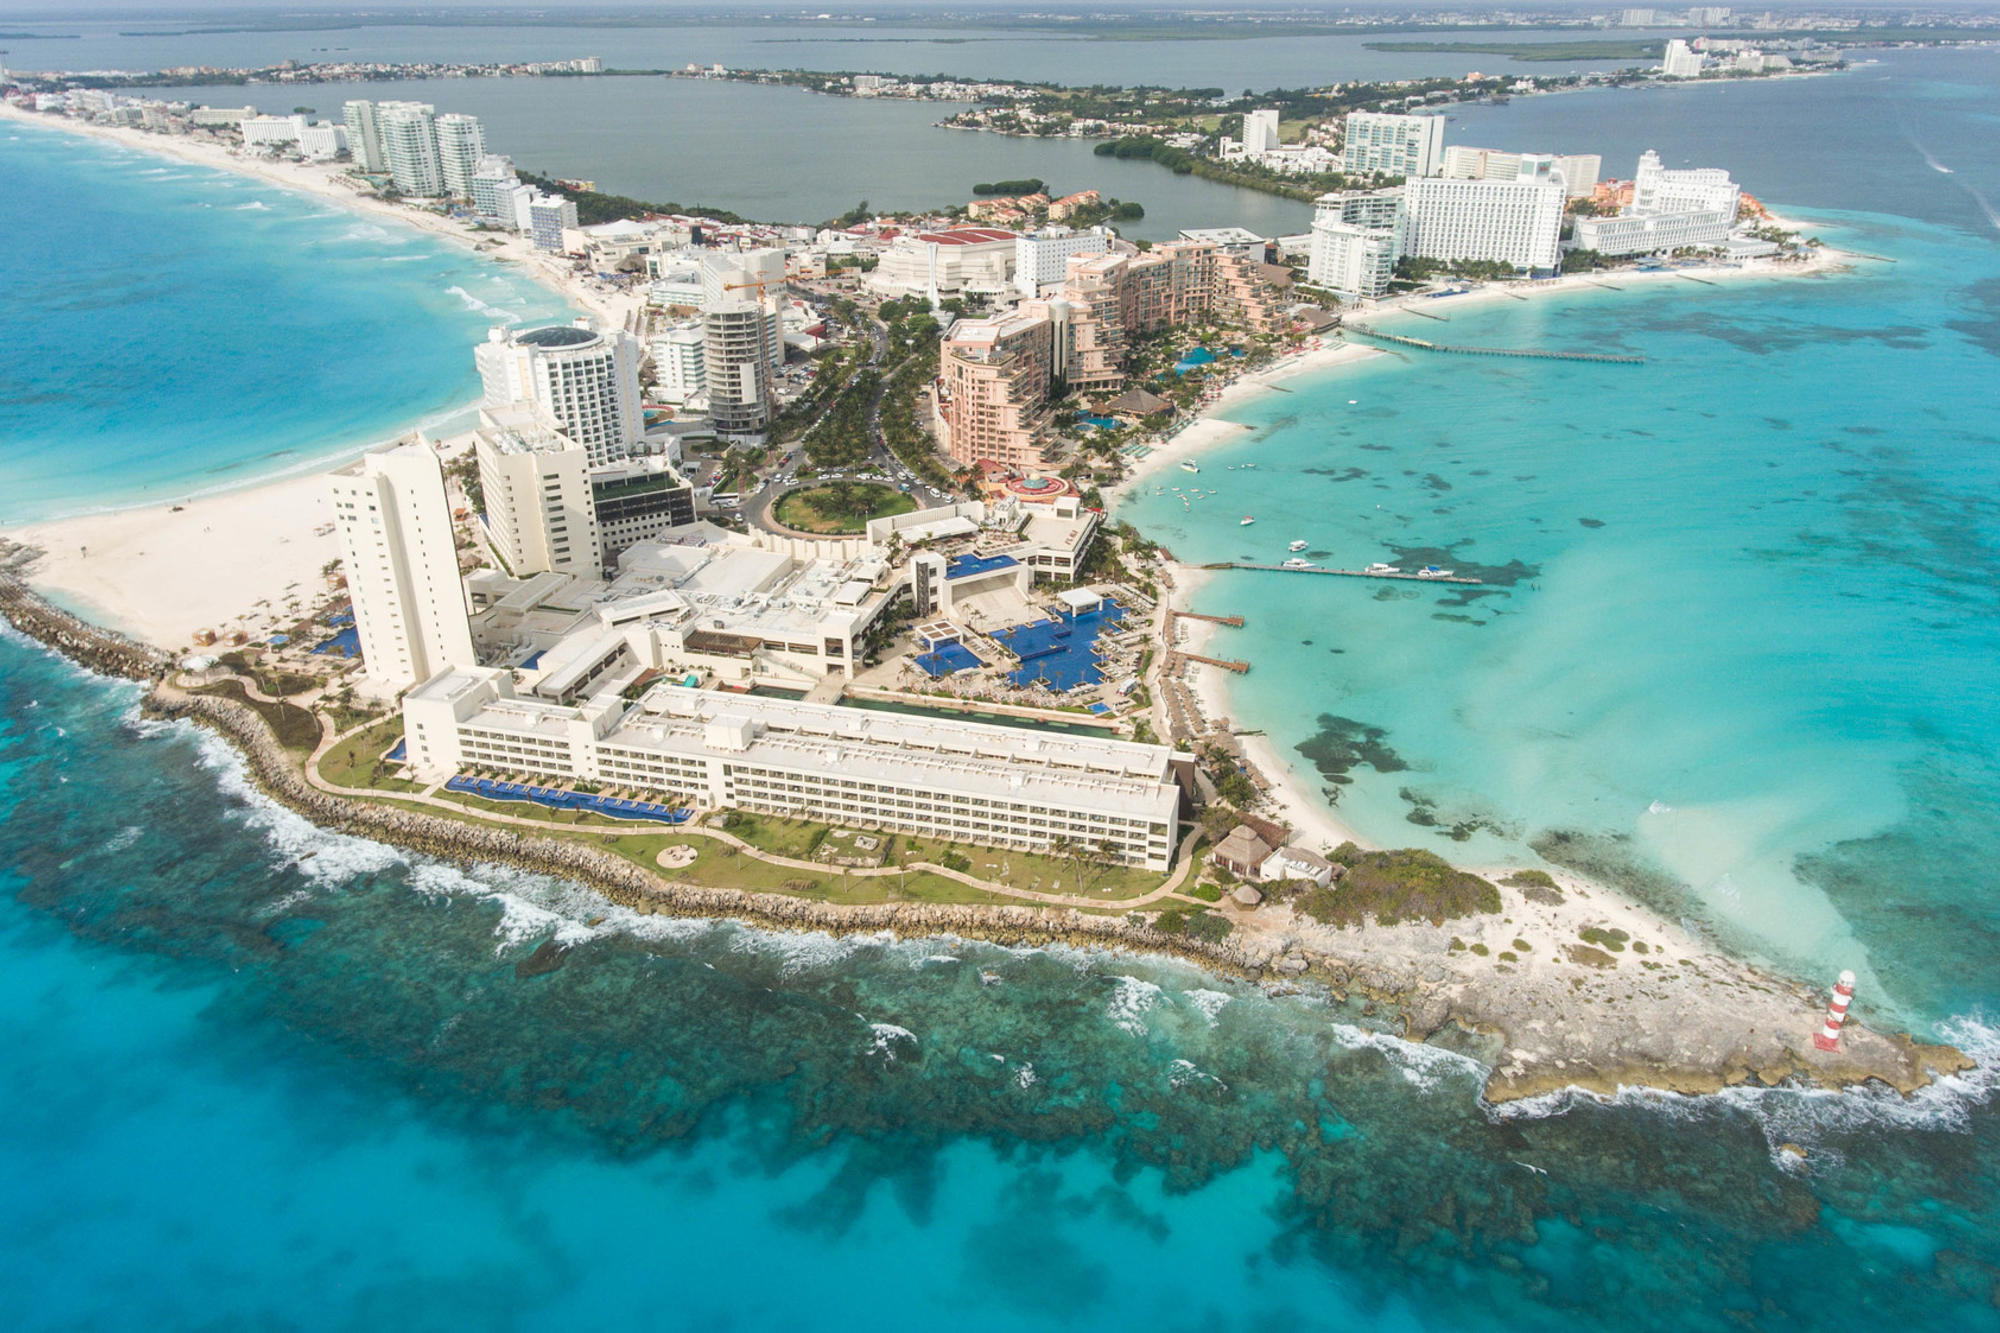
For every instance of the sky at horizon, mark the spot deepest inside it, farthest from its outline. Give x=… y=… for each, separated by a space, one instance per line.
x=41 y=11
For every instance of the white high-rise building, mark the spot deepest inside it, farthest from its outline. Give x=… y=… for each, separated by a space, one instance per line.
x=1382 y=144
x=1357 y=238
x=1042 y=257
x=364 y=137
x=736 y=365
x=535 y=486
x=1681 y=61
x=585 y=382
x=521 y=198
x=750 y=275
x=680 y=362
x=1260 y=131
x=1656 y=189
x=1464 y=163
x=1517 y=222
x=401 y=554
x=549 y=216
x=493 y=185
x=460 y=146
x=1580 y=172
x=409 y=143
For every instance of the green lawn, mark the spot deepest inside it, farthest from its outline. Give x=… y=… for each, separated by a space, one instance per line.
x=841 y=506
x=356 y=761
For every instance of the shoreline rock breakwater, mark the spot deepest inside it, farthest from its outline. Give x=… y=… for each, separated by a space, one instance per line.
x=1427 y=1003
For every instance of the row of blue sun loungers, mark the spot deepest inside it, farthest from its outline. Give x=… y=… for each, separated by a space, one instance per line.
x=558 y=798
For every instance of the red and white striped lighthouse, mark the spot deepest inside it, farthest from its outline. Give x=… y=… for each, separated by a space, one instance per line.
x=1828 y=1037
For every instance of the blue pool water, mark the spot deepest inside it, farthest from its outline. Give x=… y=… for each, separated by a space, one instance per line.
x=187 y=330
x=554 y=798
x=347 y=643
x=947 y=658
x=966 y=566
x=1061 y=653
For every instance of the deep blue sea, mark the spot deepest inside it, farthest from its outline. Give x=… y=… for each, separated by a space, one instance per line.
x=263 y=1076
x=168 y=329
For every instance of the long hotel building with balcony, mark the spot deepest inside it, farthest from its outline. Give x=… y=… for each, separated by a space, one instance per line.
x=965 y=782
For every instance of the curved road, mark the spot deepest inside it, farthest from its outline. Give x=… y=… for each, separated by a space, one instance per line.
x=758 y=509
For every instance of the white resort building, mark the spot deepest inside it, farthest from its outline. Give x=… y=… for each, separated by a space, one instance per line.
x=1692 y=208
x=965 y=782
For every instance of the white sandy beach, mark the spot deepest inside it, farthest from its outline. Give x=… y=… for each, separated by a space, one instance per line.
x=228 y=562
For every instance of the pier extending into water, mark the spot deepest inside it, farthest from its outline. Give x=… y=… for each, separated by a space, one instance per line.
x=1538 y=353
x=1346 y=573
x=1237 y=665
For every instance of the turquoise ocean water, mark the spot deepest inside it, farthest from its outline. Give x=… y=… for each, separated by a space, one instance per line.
x=1737 y=647
x=263 y=1076
x=169 y=329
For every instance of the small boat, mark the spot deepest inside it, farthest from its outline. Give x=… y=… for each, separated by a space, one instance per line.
x=1433 y=572
x=1189 y=467
x=1379 y=568
x=1298 y=545
x=1296 y=563
x=1245 y=521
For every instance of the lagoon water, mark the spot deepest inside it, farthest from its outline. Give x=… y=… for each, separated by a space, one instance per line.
x=175 y=329
x=1051 y=54
x=264 y=1076
x=681 y=141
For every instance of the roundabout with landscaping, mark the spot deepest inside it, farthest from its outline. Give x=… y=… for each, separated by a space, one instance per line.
x=839 y=507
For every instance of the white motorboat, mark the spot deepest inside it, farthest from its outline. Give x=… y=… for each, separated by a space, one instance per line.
x=1298 y=545
x=1433 y=572
x=1245 y=521
x=1296 y=563
x=1189 y=467
x=1379 y=568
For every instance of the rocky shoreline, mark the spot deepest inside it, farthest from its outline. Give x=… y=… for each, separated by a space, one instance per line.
x=1426 y=1002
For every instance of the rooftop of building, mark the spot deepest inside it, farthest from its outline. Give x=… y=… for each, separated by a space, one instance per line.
x=556 y=335
x=967 y=236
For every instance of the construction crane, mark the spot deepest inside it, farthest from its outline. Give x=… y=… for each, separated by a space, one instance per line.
x=760 y=285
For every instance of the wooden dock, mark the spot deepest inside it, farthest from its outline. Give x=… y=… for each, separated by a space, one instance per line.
x=1538 y=353
x=1347 y=573
x=1234 y=622
x=1227 y=664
